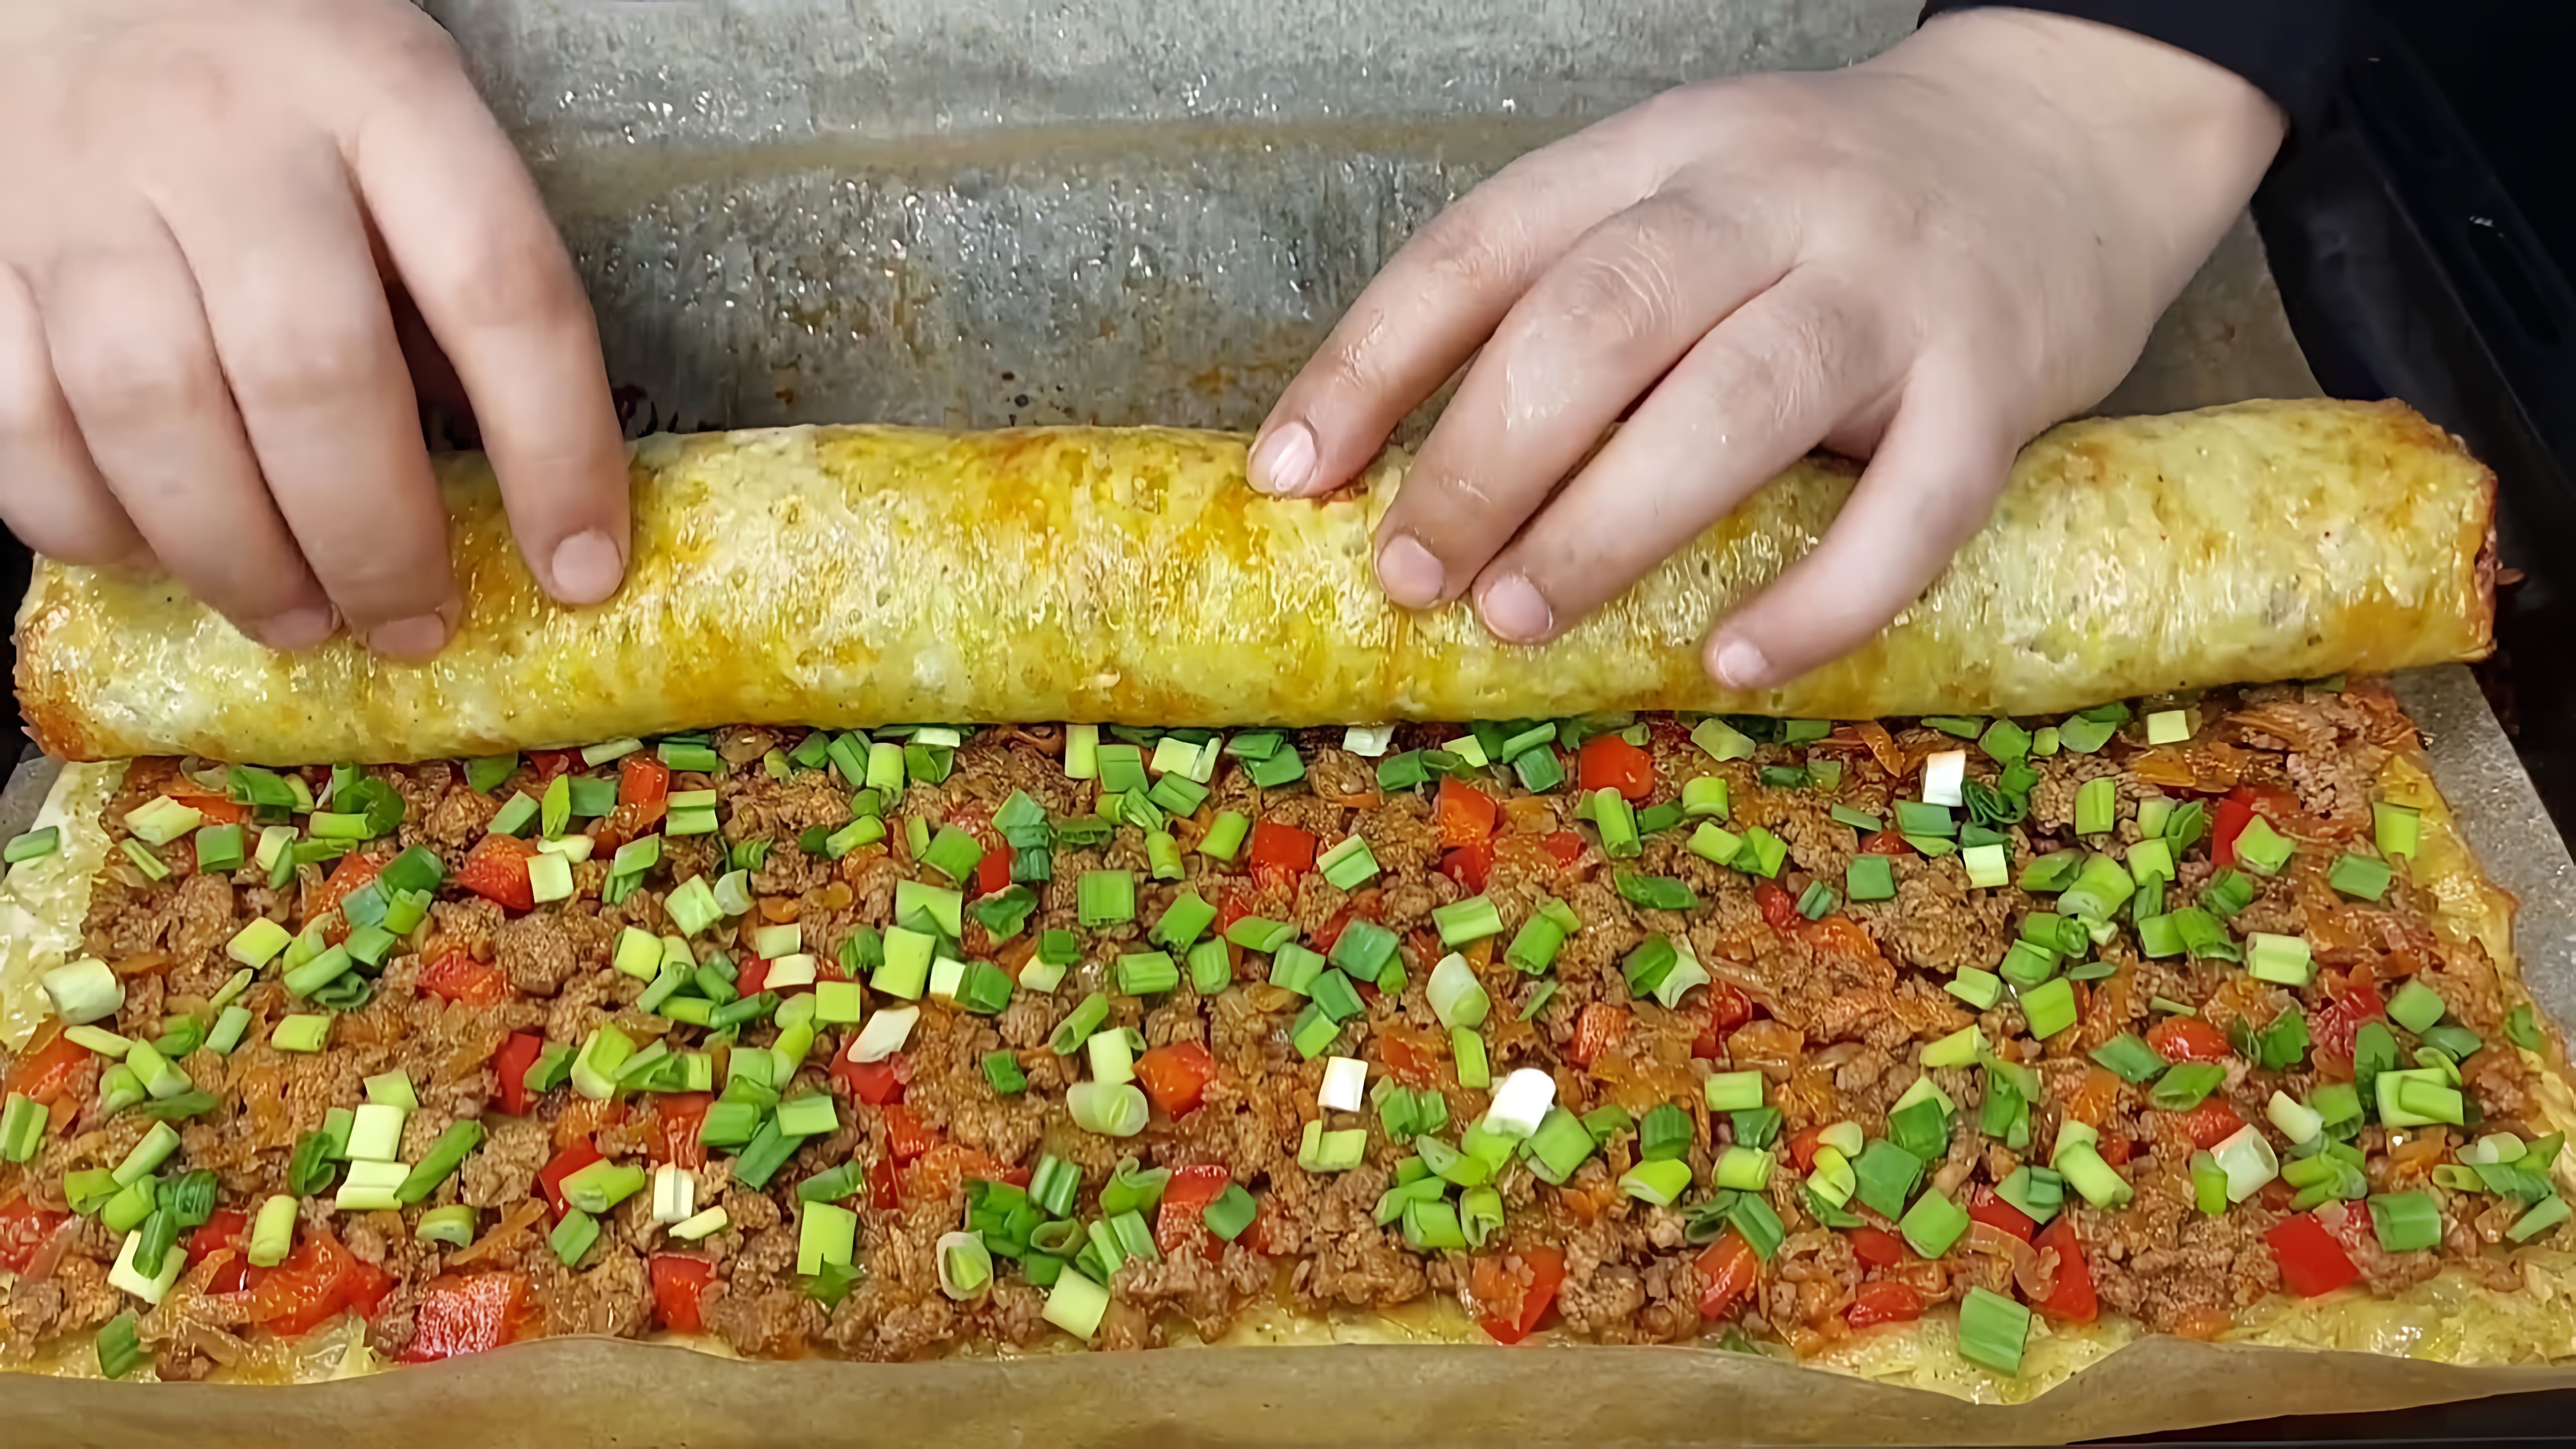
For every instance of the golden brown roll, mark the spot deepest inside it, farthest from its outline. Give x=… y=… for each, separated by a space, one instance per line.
x=854 y=576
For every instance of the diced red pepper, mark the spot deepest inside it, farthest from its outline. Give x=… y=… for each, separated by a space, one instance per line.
x=1840 y=935
x=2312 y=1262
x=1596 y=1030
x=550 y=1178
x=217 y=806
x=497 y=870
x=1508 y=1308
x=1565 y=845
x=2115 y=1148
x=679 y=1281
x=2073 y=1299
x=643 y=794
x=1803 y=1144
x=315 y=1284
x=1408 y=1062
x=2342 y=1020
x=462 y=1313
x=1607 y=762
x=353 y=871
x=24 y=1230
x=2188 y=1039
x=1233 y=909
x=459 y=977
x=907 y=1136
x=1885 y=842
x=1464 y=814
x=1993 y=1211
x=519 y=1051
x=1779 y=908
x=53 y=1066
x=676 y=1119
x=1179 y=1219
x=1282 y=847
x=1176 y=1076
x=227 y=1231
x=1727 y=1009
x=550 y=763
x=993 y=872
x=2233 y=815
x=751 y=977
x=1469 y=865
x=1877 y=1246
x=2211 y=1123
x=1727 y=1271
x=1885 y=1301
x=883 y=1194
x=876 y=1083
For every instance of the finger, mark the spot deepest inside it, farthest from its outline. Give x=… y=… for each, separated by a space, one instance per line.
x=1929 y=487
x=465 y=227
x=1747 y=401
x=51 y=494
x=1590 y=335
x=128 y=337
x=1441 y=294
x=300 y=322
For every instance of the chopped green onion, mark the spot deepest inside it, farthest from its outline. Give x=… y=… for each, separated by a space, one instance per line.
x=1980 y=989
x=2398 y=828
x=2096 y=805
x=1464 y=922
x=2128 y=1058
x=2406 y=1222
x=2049 y=1008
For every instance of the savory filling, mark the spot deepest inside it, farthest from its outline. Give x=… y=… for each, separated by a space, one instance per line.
x=929 y=1039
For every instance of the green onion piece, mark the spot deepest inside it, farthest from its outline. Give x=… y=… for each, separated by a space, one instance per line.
x=1733 y=1091
x=2052 y=872
x=1933 y=1224
x=2397 y=828
x=120 y=1352
x=2049 y=1008
x=2038 y=1192
x=2185 y=1085
x=2522 y=1028
x=2128 y=1058
x=1763 y=853
x=1915 y=817
x=1818 y=901
x=1716 y=845
x=2096 y=805
x=2406 y=1222
x=1886 y=1175
x=2263 y=849
x=2005 y=742
x=2357 y=876
x=1993 y=1330
x=2549 y=1213
x=1869 y=878
x=1980 y=989
x=1078 y=1027
x=2083 y=1167
x=1467 y=1051
x=2416 y=1007
x=1655 y=892
x=1464 y=922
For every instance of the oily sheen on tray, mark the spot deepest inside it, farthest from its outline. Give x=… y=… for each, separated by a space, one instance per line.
x=858 y=576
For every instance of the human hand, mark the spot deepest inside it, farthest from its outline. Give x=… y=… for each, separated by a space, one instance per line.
x=207 y=202
x=1921 y=260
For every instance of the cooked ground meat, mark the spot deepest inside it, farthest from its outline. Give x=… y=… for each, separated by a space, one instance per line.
x=516 y=1022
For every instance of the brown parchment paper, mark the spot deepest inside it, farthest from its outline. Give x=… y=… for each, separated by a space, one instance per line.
x=981 y=212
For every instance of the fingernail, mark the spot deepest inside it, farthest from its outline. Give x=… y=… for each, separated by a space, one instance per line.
x=1517 y=612
x=1285 y=461
x=417 y=637
x=1741 y=665
x=299 y=628
x=587 y=568
x=1411 y=575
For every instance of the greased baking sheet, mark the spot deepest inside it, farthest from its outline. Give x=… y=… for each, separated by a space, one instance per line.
x=1116 y=211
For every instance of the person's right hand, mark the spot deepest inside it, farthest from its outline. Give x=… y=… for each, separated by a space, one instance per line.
x=203 y=206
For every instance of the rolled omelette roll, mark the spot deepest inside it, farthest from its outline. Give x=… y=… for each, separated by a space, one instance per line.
x=856 y=576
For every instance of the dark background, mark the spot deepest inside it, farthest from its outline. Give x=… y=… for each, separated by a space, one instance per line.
x=2418 y=241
